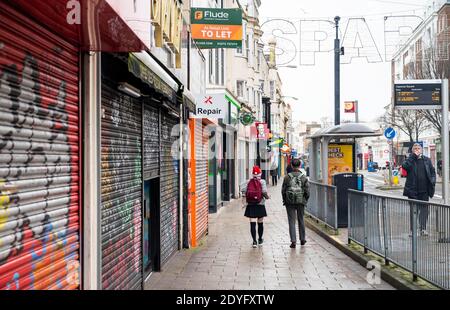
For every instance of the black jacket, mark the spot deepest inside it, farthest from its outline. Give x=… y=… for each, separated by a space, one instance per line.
x=410 y=165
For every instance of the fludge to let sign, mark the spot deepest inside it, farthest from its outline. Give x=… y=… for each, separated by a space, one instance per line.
x=217 y=28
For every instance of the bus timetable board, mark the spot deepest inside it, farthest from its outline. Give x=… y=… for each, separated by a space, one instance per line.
x=418 y=95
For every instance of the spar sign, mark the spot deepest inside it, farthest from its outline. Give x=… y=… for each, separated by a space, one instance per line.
x=217 y=28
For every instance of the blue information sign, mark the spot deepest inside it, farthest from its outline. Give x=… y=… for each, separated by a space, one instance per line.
x=389 y=133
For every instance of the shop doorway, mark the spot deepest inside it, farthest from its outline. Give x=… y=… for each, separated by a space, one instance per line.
x=151 y=227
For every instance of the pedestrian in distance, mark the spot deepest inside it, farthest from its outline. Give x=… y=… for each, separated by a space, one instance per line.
x=274 y=174
x=295 y=193
x=439 y=167
x=420 y=184
x=289 y=168
x=255 y=191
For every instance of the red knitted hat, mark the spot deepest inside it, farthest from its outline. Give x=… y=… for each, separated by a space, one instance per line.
x=256 y=170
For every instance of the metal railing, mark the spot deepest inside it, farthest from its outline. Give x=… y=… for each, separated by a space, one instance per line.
x=414 y=235
x=322 y=204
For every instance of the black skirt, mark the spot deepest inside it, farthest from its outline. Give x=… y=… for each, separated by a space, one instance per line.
x=255 y=211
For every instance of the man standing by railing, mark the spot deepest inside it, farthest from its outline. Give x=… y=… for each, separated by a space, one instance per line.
x=295 y=192
x=420 y=183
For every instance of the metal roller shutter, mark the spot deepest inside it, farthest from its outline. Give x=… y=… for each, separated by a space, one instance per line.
x=201 y=187
x=121 y=190
x=151 y=141
x=169 y=189
x=39 y=157
x=242 y=162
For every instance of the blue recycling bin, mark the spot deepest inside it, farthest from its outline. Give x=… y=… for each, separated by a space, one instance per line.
x=370 y=167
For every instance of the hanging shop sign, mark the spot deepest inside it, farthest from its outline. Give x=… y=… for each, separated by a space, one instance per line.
x=418 y=94
x=247 y=119
x=286 y=149
x=217 y=28
x=260 y=131
x=350 y=106
x=211 y=106
x=340 y=159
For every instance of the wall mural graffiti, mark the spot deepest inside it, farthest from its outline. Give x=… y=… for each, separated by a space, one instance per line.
x=39 y=172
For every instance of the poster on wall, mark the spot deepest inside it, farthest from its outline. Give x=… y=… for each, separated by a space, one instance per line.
x=217 y=28
x=340 y=160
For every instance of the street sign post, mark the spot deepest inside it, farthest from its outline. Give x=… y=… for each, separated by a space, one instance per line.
x=418 y=94
x=390 y=134
x=429 y=94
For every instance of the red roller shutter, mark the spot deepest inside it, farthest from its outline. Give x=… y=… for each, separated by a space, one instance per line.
x=39 y=157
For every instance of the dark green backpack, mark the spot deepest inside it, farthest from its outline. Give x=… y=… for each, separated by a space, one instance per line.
x=295 y=194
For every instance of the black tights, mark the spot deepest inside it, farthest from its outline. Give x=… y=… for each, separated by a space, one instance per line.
x=253 y=230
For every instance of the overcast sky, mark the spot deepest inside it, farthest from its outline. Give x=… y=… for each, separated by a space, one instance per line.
x=369 y=83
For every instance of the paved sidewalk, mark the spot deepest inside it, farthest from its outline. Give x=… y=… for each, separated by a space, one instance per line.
x=226 y=259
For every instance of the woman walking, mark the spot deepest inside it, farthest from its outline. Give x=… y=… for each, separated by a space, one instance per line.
x=255 y=191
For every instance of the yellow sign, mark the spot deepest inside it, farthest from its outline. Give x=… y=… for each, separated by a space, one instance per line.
x=167 y=17
x=340 y=160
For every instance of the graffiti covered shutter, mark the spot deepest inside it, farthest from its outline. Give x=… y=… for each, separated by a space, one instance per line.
x=151 y=141
x=169 y=187
x=39 y=157
x=121 y=190
x=201 y=188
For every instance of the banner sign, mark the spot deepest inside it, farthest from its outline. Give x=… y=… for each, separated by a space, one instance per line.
x=211 y=106
x=340 y=160
x=418 y=94
x=217 y=28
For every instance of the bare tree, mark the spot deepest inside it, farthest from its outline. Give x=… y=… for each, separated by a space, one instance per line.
x=432 y=62
x=411 y=122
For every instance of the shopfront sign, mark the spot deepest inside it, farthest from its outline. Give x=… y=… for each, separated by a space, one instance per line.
x=148 y=76
x=167 y=19
x=211 y=106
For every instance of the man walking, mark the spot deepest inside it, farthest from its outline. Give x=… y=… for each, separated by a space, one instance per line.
x=420 y=183
x=295 y=192
x=274 y=173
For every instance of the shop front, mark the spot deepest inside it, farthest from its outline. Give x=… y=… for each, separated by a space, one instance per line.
x=40 y=155
x=140 y=170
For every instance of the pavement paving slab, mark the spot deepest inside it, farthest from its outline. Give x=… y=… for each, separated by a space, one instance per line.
x=226 y=259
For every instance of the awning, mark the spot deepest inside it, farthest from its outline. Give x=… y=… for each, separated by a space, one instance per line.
x=233 y=101
x=100 y=29
x=144 y=67
x=189 y=100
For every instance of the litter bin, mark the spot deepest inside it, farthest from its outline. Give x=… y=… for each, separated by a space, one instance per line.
x=344 y=182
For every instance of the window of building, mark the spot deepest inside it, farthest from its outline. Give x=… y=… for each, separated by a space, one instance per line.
x=259 y=60
x=211 y=66
x=217 y=75
x=272 y=90
x=240 y=88
x=240 y=51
